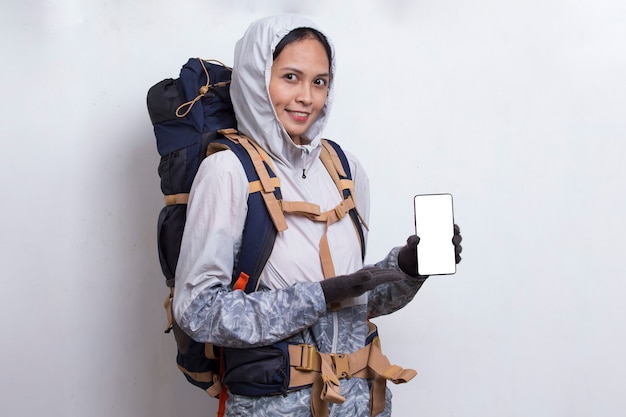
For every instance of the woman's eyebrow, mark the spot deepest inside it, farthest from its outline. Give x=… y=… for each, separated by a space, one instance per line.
x=300 y=72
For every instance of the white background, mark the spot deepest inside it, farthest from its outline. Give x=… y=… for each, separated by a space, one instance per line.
x=517 y=108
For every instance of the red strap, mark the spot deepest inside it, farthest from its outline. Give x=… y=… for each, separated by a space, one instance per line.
x=221 y=409
x=241 y=282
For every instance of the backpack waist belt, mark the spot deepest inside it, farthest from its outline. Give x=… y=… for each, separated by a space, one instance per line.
x=323 y=371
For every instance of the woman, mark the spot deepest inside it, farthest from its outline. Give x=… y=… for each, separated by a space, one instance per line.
x=282 y=91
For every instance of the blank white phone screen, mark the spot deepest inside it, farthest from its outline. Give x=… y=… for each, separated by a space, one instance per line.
x=434 y=224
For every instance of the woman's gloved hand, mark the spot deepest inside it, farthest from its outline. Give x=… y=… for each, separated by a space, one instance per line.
x=407 y=257
x=347 y=286
x=456 y=239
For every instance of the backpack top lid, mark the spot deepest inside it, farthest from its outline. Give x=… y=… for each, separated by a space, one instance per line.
x=184 y=108
x=216 y=111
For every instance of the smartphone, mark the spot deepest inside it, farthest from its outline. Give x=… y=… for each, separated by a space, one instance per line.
x=434 y=224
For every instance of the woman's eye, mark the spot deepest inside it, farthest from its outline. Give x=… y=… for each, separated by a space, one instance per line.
x=290 y=77
x=321 y=82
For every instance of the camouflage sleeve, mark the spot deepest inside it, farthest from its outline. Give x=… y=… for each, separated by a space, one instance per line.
x=235 y=319
x=387 y=298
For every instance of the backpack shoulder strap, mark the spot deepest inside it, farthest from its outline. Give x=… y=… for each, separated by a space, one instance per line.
x=264 y=180
x=264 y=219
x=337 y=165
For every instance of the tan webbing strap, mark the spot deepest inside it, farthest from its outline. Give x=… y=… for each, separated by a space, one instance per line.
x=346 y=184
x=256 y=186
x=325 y=388
x=264 y=156
x=173 y=199
x=267 y=184
x=319 y=408
x=209 y=351
x=327 y=160
x=215 y=147
x=208 y=376
x=332 y=216
x=312 y=211
x=257 y=161
x=334 y=157
x=333 y=165
x=378 y=391
x=331 y=161
x=381 y=365
x=326 y=259
x=199 y=376
x=274 y=209
x=309 y=210
x=331 y=391
x=215 y=389
x=378 y=388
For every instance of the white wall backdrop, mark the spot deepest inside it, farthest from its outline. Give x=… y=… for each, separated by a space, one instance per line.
x=517 y=108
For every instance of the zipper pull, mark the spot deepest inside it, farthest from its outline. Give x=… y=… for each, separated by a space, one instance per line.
x=303 y=157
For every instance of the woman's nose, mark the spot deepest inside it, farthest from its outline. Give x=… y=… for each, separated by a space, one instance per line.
x=304 y=94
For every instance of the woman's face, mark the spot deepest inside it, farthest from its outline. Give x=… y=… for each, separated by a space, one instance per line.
x=299 y=85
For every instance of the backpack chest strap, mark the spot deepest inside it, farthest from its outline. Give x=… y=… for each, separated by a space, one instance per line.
x=312 y=212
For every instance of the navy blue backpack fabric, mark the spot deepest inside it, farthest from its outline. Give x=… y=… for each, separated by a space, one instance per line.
x=182 y=142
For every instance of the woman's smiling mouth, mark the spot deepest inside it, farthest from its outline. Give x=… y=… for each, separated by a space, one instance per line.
x=298 y=115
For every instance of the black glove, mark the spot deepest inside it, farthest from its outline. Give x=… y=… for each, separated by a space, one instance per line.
x=407 y=257
x=456 y=239
x=347 y=286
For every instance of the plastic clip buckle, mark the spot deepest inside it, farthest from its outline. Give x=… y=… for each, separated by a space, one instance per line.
x=308 y=360
x=342 y=367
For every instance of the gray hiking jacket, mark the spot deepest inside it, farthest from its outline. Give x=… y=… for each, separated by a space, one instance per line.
x=290 y=304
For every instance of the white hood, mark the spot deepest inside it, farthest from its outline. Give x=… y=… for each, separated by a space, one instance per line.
x=249 y=90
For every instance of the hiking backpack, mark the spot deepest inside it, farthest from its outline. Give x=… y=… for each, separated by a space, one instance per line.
x=193 y=116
